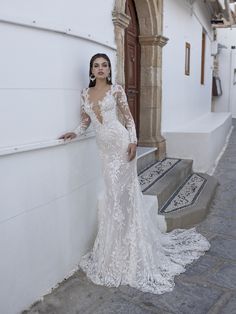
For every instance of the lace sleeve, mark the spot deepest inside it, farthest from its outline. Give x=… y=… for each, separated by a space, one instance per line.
x=124 y=108
x=84 y=119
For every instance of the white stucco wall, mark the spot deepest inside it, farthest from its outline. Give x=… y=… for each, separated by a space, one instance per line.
x=46 y=69
x=184 y=98
x=227 y=67
x=48 y=191
x=191 y=130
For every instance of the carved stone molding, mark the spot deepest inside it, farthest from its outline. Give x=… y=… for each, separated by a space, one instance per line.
x=153 y=40
x=120 y=19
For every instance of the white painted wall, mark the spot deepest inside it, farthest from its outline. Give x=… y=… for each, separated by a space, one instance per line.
x=191 y=130
x=46 y=70
x=79 y=16
x=201 y=141
x=48 y=191
x=184 y=98
x=227 y=66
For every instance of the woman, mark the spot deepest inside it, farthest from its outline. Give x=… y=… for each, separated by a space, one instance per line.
x=129 y=249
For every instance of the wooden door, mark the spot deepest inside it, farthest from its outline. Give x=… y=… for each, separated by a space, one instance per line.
x=132 y=62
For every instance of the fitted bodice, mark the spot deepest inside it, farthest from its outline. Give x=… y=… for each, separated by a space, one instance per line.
x=104 y=113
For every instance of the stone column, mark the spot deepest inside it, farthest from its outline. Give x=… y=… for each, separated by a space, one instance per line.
x=151 y=93
x=121 y=22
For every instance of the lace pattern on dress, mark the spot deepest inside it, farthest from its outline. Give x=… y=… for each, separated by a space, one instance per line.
x=123 y=106
x=129 y=249
x=84 y=118
x=115 y=94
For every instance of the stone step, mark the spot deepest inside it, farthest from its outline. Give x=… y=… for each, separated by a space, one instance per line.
x=164 y=177
x=145 y=157
x=189 y=205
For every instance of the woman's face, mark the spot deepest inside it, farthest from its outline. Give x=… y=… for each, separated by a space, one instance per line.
x=100 y=68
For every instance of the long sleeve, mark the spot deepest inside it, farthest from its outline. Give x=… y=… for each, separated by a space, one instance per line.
x=84 y=118
x=122 y=104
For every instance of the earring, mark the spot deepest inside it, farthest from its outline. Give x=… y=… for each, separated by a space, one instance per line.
x=92 y=77
x=109 y=78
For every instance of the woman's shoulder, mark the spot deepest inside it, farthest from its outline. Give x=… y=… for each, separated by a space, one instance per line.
x=84 y=91
x=117 y=88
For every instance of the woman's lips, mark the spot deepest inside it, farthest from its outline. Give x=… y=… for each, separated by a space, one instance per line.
x=100 y=73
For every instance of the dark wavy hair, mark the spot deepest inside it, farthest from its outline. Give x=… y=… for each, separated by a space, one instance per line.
x=99 y=55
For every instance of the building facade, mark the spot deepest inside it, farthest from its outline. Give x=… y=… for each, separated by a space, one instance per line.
x=226 y=71
x=191 y=129
x=49 y=189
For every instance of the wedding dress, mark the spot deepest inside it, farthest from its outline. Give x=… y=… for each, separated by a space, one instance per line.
x=129 y=248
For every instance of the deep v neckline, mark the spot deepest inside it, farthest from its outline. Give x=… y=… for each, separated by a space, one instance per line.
x=95 y=107
x=92 y=103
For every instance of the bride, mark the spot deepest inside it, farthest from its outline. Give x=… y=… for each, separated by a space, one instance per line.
x=129 y=248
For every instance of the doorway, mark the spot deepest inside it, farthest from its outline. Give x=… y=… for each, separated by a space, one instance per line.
x=132 y=62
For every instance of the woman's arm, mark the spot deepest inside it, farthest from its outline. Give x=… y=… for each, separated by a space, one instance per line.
x=83 y=125
x=84 y=122
x=122 y=104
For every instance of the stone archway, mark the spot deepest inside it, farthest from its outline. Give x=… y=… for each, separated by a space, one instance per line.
x=151 y=40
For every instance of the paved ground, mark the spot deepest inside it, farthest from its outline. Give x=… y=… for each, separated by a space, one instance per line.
x=207 y=287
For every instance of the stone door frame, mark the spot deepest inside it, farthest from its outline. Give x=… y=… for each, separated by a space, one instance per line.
x=150 y=16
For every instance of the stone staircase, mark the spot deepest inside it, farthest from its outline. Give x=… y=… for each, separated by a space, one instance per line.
x=183 y=197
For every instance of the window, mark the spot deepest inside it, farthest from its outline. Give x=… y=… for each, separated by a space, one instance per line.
x=203 y=57
x=216 y=86
x=187 y=59
x=234 y=78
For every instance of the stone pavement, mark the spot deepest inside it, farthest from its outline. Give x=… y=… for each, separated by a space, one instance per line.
x=207 y=287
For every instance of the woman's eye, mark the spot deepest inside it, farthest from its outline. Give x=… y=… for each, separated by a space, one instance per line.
x=105 y=65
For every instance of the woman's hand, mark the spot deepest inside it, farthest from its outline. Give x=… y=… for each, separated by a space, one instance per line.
x=131 y=151
x=68 y=136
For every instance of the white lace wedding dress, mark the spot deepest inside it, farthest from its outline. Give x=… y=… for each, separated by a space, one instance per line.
x=129 y=249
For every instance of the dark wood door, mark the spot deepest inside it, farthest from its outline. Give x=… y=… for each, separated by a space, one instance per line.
x=132 y=62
